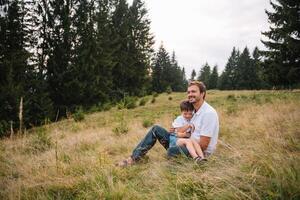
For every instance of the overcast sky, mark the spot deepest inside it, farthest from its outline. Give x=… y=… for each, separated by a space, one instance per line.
x=206 y=30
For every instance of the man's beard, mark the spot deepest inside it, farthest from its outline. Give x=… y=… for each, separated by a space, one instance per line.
x=192 y=99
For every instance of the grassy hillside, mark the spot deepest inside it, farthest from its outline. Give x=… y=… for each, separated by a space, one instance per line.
x=258 y=154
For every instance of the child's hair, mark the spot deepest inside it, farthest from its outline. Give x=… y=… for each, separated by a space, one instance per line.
x=186 y=106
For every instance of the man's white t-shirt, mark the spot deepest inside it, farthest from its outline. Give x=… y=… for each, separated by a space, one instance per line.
x=206 y=122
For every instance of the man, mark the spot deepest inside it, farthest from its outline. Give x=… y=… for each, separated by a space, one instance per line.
x=206 y=129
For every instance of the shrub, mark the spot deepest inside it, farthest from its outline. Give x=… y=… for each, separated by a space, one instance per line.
x=231 y=97
x=268 y=100
x=143 y=101
x=4 y=127
x=122 y=126
x=94 y=108
x=128 y=102
x=147 y=123
x=153 y=100
x=232 y=109
x=100 y=107
x=78 y=115
x=169 y=90
x=257 y=98
x=106 y=106
x=121 y=129
x=254 y=96
x=154 y=94
x=121 y=105
x=41 y=141
x=131 y=104
x=243 y=96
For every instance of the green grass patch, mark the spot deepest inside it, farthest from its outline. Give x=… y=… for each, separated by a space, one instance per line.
x=143 y=101
x=40 y=142
x=147 y=123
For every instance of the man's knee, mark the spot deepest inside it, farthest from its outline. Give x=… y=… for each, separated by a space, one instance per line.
x=156 y=127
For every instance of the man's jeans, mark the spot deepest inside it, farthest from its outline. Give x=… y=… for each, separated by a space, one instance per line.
x=162 y=135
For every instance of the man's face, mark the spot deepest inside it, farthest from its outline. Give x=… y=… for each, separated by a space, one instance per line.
x=187 y=114
x=193 y=94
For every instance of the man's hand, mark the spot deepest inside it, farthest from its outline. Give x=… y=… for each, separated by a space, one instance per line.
x=192 y=126
x=204 y=141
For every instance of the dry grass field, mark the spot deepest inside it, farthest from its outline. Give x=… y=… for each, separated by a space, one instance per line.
x=258 y=153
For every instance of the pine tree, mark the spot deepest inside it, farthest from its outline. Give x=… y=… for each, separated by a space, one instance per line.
x=228 y=78
x=13 y=62
x=89 y=81
x=204 y=75
x=213 y=79
x=184 y=80
x=59 y=63
x=193 y=75
x=175 y=76
x=104 y=44
x=246 y=74
x=257 y=66
x=39 y=33
x=166 y=73
x=282 y=64
x=122 y=69
x=38 y=106
x=160 y=69
x=140 y=48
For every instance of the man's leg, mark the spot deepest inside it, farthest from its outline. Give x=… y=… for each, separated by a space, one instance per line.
x=155 y=133
x=177 y=150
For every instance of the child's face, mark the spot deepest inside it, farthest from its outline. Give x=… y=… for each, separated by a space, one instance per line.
x=187 y=114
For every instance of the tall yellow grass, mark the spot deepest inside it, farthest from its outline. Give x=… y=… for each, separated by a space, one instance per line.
x=257 y=155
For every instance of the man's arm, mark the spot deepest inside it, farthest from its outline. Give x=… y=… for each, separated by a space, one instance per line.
x=204 y=141
x=208 y=125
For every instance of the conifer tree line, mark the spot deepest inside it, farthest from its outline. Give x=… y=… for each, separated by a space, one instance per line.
x=166 y=73
x=59 y=55
x=242 y=71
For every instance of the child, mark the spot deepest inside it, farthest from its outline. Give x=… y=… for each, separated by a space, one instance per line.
x=182 y=124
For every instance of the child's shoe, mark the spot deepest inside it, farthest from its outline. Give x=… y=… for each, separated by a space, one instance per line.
x=199 y=160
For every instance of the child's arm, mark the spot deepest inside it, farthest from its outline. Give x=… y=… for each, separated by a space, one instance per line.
x=183 y=134
x=185 y=128
x=185 y=131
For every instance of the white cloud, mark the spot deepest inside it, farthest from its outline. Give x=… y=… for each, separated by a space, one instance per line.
x=200 y=31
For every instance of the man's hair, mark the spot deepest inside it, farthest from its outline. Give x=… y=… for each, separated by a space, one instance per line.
x=186 y=106
x=200 y=85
